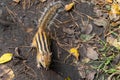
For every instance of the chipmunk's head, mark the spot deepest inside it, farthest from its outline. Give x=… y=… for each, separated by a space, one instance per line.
x=46 y=60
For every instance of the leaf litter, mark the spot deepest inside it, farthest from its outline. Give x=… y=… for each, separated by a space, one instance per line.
x=108 y=18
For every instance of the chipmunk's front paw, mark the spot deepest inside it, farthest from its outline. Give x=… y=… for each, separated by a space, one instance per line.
x=38 y=66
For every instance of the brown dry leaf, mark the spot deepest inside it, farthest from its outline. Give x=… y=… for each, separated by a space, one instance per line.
x=110 y=40
x=42 y=1
x=29 y=30
x=87 y=29
x=91 y=53
x=17 y=1
x=115 y=23
x=114 y=42
x=101 y=22
x=109 y=1
x=6 y=73
x=69 y=6
x=74 y=52
x=91 y=75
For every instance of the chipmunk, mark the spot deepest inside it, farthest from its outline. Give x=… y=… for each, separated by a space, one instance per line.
x=40 y=40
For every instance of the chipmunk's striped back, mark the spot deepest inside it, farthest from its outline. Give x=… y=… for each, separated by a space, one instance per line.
x=40 y=40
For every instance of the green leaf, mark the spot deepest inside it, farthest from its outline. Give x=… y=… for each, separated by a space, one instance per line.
x=86 y=37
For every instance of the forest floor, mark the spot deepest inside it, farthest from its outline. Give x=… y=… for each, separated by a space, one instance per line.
x=85 y=41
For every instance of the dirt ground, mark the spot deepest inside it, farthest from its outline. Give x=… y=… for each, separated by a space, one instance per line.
x=18 y=24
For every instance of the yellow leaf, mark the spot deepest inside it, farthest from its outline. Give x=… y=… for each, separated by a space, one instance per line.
x=74 y=52
x=68 y=78
x=115 y=9
x=5 y=57
x=69 y=6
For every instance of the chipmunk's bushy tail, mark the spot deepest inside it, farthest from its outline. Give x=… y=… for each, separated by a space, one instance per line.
x=49 y=14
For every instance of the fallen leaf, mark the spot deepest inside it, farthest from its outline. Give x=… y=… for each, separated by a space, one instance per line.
x=114 y=12
x=115 y=23
x=109 y=1
x=6 y=73
x=87 y=29
x=118 y=1
x=69 y=6
x=74 y=52
x=108 y=7
x=115 y=8
x=110 y=40
x=42 y=1
x=91 y=53
x=102 y=22
x=29 y=30
x=91 y=75
x=118 y=67
x=5 y=57
x=68 y=78
x=86 y=37
x=114 y=42
x=17 y=1
x=85 y=60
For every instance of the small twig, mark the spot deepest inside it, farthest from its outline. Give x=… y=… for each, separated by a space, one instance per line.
x=74 y=20
x=17 y=51
x=5 y=22
x=29 y=52
x=12 y=14
x=27 y=3
x=111 y=76
x=29 y=68
x=81 y=14
x=66 y=58
x=112 y=31
x=20 y=47
x=58 y=21
x=56 y=25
